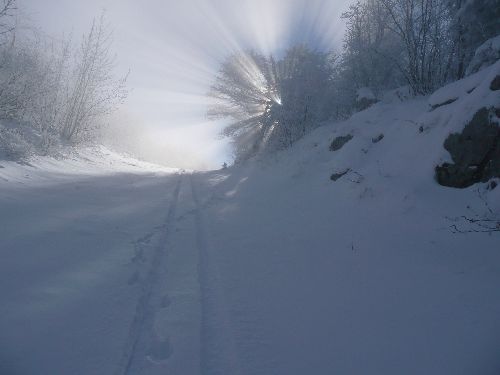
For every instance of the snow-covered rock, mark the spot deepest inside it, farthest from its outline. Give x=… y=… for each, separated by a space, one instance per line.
x=475 y=152
x=365 y=98
x=487 y=54
x=339 y=142
x=461 y=88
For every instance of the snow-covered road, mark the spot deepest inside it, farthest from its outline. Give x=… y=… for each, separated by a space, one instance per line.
x=107 y=274
x=244 y=271
x=72 y=270
x=103 y=273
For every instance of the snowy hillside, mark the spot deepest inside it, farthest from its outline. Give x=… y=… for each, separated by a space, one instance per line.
x=352 y=261
x=364 y=274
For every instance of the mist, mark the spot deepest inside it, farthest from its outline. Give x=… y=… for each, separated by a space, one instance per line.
x=174 y=50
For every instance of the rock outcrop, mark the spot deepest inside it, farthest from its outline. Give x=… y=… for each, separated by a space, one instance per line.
x=495 y=84
x=339 y=142
x=475 y=152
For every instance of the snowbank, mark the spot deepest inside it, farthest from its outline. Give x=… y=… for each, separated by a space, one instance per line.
x=73 y=163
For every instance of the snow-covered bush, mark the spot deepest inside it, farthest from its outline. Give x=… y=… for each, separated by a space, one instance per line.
x=16 y=142
x=94 y=92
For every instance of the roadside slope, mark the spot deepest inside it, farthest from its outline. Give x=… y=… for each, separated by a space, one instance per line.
x=365 y=274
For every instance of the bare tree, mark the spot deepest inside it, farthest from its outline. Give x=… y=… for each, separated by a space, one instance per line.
x=422 y=26
x=50 y=91
x=19 y=62
x=95 y=92
x=371 y=51
x=48 y=104
x=7 y=8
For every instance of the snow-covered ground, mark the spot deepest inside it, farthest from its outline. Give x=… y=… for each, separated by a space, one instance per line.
x=112 y=266
x=71 y=232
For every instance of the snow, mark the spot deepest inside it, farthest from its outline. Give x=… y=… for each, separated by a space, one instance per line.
x=113 y=266
x=67 y=281
x=461 y=88
x=398 y=95
x=365 y=93
x=80 y=163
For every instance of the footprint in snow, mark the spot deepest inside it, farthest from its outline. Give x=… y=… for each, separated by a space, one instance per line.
x=165 y=302
x=159 y=351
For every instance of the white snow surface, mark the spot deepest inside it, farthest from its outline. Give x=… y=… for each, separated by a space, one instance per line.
x=112 y=266
x=461 y=88
x=365 y=93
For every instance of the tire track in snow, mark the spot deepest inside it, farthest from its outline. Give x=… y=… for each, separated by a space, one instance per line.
x=218 y=350
x=142 y=322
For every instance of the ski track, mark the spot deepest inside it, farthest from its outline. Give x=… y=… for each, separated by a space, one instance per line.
x=218 y=350
x=142 y=324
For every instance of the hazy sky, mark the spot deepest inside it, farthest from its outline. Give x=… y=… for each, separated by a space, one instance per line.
x=173 y=49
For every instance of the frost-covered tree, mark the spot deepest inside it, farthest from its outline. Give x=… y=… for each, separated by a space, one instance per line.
x=371 y=51
x=272 y=103
x=48 y=103
x=51 y=91
x=421 y=43
x=10 y=61
x=243 y=94
x=422 y=27
x=7 y=8
x=95 y=92
x=304 y=86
